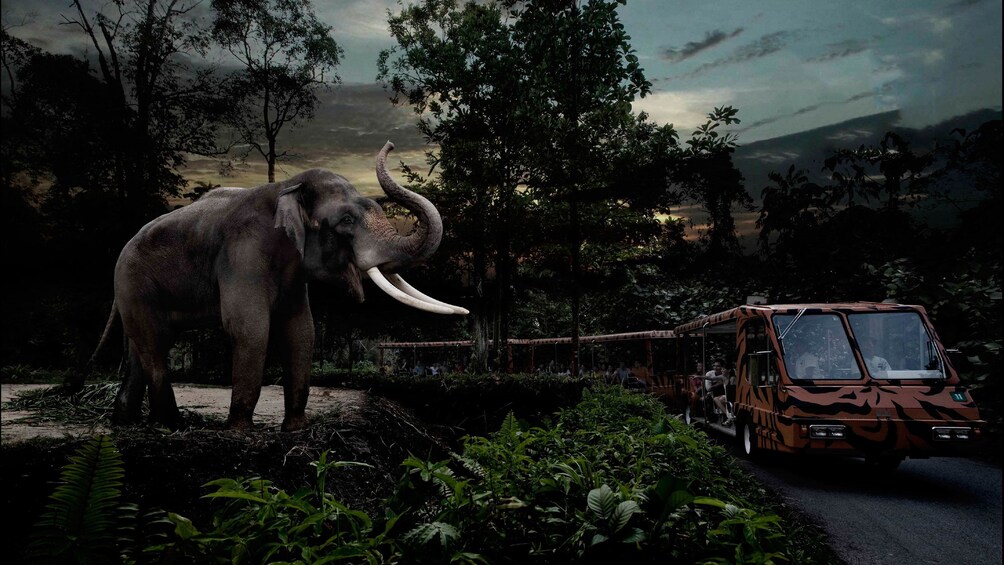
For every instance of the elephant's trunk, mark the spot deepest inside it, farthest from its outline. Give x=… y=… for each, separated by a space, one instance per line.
x=420 y=245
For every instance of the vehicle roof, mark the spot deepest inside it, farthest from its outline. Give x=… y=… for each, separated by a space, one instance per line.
x=652 y=334
x=732 y=314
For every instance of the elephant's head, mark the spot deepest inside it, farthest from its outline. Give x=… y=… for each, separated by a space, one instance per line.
x=341 y=234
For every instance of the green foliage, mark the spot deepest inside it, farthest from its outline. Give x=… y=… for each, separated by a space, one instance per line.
x=613 y=479
x=544 y=168
x=85 y=521
x=260 y=523
x=476 y=403
x=79 y=523
x=746 y=531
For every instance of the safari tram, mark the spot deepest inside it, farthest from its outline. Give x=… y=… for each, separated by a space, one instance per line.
x=862 y=378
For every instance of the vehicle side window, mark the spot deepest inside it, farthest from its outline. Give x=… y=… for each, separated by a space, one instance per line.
x=760 y=358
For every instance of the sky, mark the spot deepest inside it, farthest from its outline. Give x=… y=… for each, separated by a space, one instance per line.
x=789 y=67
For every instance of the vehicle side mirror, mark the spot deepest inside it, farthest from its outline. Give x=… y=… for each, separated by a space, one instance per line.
x=958 y=359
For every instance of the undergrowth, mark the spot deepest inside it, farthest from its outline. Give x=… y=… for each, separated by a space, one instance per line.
x=612 y=479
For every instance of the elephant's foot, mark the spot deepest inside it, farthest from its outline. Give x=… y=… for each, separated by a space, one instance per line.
x=294 y=423
x=240 y=423
x=165 y=413
x=170 y=420
x=125 y=416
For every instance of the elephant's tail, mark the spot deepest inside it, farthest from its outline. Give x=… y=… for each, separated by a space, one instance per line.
x=104 y=335
x=74 y=380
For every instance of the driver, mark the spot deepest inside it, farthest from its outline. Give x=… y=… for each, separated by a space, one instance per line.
x=877 y=365
x=806 y=362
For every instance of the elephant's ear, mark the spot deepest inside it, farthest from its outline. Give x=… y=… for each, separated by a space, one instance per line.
x=290 y=215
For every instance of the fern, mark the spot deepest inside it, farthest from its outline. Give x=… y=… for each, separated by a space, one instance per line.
x=82 y=515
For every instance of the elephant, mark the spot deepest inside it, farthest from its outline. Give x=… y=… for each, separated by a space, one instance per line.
x=243 y=258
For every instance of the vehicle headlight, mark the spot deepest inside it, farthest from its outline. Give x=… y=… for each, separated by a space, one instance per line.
x=827 y=431
x=949 y=433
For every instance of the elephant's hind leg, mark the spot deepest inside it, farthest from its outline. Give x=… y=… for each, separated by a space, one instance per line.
x=129 y=400
x=150 y=340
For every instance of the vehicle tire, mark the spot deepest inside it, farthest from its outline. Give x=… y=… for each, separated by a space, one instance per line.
x=747 y=438
x=884 y=463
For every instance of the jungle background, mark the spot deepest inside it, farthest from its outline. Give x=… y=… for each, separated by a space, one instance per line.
x=567 y=213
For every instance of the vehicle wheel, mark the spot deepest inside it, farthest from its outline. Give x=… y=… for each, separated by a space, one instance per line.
x=747 y=438
x=884 y=463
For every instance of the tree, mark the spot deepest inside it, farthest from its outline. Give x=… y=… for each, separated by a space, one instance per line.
x=529 y=103
x=460 y=69
x=93 y=146
x=583 y=69
x=708 y=176
x=161 y=106
x=286 y=54
x=891 y=170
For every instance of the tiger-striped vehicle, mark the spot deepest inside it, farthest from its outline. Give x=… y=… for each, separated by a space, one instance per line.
x=867 y=379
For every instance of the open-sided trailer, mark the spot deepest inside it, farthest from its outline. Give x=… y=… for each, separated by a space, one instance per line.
x=864 y=379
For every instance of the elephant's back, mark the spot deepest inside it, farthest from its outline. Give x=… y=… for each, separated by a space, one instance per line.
x=176 y=252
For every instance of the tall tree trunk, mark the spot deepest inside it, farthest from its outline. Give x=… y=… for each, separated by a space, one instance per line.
x=482 y=318
x=576 y=291
x=271 y=159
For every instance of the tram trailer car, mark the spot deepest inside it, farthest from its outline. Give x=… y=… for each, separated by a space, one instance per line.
x=865 y=379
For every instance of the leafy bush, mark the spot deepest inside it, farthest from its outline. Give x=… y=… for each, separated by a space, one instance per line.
x=86 y=521
x=263 y=524
x=474 y=403
x=613 y=479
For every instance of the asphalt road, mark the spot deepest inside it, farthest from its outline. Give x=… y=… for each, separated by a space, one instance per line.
x=938 y=510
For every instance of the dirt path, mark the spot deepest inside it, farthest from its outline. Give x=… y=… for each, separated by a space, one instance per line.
x=16 y=425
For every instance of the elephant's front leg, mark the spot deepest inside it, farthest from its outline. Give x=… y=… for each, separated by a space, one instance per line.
x=295 y=330
x=246 y=320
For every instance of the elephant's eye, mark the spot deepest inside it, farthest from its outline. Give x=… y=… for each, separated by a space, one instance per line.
x=347 y=220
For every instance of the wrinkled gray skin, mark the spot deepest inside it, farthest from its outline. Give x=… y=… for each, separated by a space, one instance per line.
x=243 y=258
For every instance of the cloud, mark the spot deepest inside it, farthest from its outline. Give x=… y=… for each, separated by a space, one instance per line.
x=806 y=110
x=350 y=126
x=773 y=156
x=685 y=109
x=961 y=4
x=762 y=47
x=358 y=19
x=840 y=50
x=850 y=135
x=711 y=38
x=933 y=56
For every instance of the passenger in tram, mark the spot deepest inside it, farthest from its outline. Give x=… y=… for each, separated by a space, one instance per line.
x=877 y=365
x=622 y=374
x=641 y=378
x=697 y=379
x=715 y=381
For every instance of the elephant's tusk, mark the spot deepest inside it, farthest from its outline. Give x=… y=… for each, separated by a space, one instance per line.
x=396 y=294
x=396 y=280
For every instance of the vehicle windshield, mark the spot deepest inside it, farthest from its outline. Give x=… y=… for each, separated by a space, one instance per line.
x=816 y=347
x=896 y=345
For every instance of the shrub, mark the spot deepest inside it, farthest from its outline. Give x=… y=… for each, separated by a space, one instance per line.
x=613 y=479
